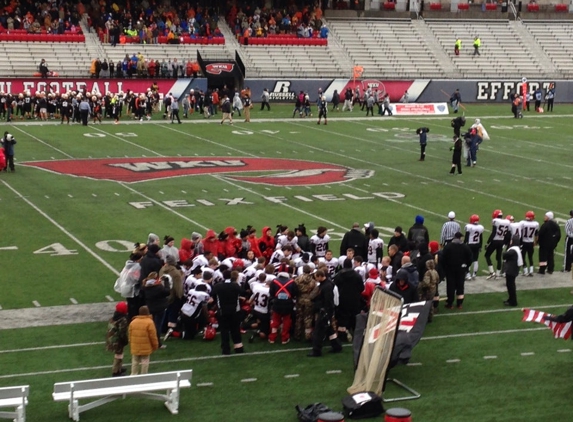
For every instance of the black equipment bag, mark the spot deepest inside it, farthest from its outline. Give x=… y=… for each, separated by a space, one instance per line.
x=362 y=405
x=310 y=413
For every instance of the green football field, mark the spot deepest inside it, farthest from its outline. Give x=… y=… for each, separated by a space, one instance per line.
x=81 y=196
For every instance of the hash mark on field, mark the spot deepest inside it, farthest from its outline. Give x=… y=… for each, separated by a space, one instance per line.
x=366 y=185
x=460 y=181
x=161 y=192
x=563 y=350
x=204 y=191
x=109 y=298
x=452 y=361
x=549 y=178
x=183 y=191
x=36 y=303
x=75 y=302
x=490 y=357
x=268 y=188
x=288 y=188
x=334 y=371
x=46 y=196
x=385 y=184
x=479 y=181
x=424 y=183
x=496 y=180
x=527 y=354
x=248 y=380
x=53 y=158
x=567 y=178
x=226 y=190
x=278 y=152
x=414 y=364
x=204 y=384
x=94 y=195
x=116 y=194
x=291 y=376
x=9 y=248
x=70 y=195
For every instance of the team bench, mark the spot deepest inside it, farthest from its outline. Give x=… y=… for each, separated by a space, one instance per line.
x=110 y=389
x=16 y=397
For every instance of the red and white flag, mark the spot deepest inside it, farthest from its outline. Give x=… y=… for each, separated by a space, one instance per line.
x=560 y=329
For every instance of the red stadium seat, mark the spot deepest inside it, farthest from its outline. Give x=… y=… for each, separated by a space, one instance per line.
x=533 y=7
x=491 y=6
x=561 y=8
x=463 y=6
x=435 y=6
x=389 y=5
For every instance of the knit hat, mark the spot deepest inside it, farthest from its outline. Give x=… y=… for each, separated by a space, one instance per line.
x=195 y=236
x=549 y=215
x=121 y=308
x=152 y=238
x=373 y=273
x=451 y=215
x=434 y=247
x=419 y=219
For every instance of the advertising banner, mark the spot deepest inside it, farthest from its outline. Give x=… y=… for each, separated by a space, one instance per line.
x=175 y=86
x=416 y=109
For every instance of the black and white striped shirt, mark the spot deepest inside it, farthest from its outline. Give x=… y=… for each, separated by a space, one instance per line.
x=569 y=228
x=449 y=229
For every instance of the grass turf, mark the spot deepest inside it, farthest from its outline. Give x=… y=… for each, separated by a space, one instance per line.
x=524 y=166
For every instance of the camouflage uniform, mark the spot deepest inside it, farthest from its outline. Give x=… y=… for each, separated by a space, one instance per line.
x=304 y=313
x=428 y=286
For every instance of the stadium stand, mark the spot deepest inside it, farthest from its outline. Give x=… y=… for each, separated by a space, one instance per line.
x=555 y=40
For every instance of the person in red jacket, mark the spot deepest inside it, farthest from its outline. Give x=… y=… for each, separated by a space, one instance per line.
x=186 y=251
x=266 y=243
x=252 y=238
x=233 y=244
x=210 y=243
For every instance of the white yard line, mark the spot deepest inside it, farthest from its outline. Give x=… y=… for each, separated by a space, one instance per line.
x=62 y=228
x=42 y=142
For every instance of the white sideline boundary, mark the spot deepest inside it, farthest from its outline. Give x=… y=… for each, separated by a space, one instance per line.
x=250 y=354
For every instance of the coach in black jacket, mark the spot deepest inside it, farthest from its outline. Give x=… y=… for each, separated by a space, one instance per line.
x=548 y=239
x=356 y=240
x=226 y=295
x=350 y=286
x=456 y=259
x=323 y=306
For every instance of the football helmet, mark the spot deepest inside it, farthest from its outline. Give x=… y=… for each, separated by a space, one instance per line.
x=474 y=218
x=497 y=214
x=530 y=215
x=509 y=217
x=209 y=333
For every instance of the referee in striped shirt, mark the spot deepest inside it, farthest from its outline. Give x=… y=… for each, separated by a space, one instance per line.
x=568 y=243
x=449 y=229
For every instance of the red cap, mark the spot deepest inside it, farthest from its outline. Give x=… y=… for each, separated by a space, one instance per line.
x=121 y=307
x=434 y=246
x=373 y=273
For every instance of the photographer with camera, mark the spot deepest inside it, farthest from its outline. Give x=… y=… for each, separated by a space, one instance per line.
x=8 y=143
x=323 y=304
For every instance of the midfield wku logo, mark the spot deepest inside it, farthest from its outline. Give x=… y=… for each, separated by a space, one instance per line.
x=277 y=172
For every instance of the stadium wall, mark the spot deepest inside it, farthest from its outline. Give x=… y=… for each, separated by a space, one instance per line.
x=285 y=90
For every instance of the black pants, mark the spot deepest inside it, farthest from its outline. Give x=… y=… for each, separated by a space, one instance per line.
x=369 y=110
x=456 y=161
x=422 y=152
x=495 y=246
x=546 y=254
x=511 y=291
x=568 y=253
x=476 y=50
x=550 y=104
x=175 y=115
x=193 y=324
x=537 y=104
x=322 y=329
x=230 y=328
x=455 y=283
x=85 y=114
x=265 y=103
x=527 y=252
x=10 y=162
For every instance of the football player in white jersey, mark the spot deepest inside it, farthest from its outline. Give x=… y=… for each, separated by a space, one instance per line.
x=319 y=242
x=514 y=228
x=259 y=318
x=194 y=311
x=375 y=247
x=331 y=263
x=529 y=232
x=474 y=239
x=500 y=228
x=291 y=240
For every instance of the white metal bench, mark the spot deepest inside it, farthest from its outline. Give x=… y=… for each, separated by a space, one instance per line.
x=110 y=389
x=16 y=397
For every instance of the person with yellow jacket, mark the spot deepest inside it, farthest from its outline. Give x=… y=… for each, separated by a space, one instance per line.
x=477 y=45
x=142 y=341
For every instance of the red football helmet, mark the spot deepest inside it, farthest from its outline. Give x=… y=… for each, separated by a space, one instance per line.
x=497 y=214
x=238 y=263
x=509 y=217
x=530 y=215
x=474 y=218
x=209 y=333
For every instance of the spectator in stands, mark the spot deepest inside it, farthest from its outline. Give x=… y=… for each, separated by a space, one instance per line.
x=324 y=31
x=457 y=47
x=44 y=69
x=104 y=69
x=477 y=45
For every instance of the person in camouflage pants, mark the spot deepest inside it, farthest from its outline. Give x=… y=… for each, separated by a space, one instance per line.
x=428 y=286
x=117 y=337
x=304 y=314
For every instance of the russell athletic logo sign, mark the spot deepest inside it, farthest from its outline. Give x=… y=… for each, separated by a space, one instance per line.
x=277 y=172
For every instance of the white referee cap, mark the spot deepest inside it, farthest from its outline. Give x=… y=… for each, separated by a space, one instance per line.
x=451 y=215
